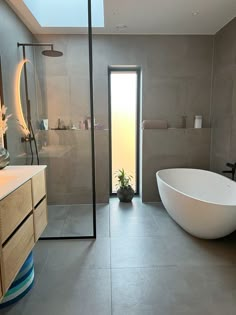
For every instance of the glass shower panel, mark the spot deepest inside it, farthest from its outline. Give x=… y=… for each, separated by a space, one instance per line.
x=64 y=135
x=58 y=91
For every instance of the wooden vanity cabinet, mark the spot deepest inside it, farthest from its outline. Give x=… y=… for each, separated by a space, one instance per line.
x=38 y=188
x=0 y=284
x=1 y=289
x=14 y=209
x=23 y=218
x=40 y=219
x=39 y=204
x=16 y=250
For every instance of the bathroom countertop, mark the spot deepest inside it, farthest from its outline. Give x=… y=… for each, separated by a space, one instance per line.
x=13 y=177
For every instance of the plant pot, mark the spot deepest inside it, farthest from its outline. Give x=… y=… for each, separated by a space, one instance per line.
x=125 y=194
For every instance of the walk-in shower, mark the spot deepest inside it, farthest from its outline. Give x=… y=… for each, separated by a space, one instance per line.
x=61 y=90
x=49 y=53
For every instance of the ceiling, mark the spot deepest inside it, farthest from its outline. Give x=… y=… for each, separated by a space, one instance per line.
x=147 y=17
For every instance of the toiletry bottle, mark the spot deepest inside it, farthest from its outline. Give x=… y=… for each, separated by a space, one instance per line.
x=89 y=122
x=198 y=121
x=71 y=124
x=85 y=124
x=184 y=121
x=41 y=125
x=45 y=123
x=59 y=124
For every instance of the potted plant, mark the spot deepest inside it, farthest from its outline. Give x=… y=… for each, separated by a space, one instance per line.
x=125 y=192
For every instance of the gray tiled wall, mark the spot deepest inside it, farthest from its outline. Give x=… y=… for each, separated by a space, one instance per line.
x=177 y=78
x=170 y=148
x=12 y=30
x=176 y=75
x=224 y=98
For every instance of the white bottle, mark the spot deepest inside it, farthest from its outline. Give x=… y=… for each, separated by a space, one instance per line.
x=198 y=122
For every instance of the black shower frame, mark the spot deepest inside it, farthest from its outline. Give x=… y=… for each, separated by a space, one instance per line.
x=138 y=70
x=90 y=42
x=93 y=165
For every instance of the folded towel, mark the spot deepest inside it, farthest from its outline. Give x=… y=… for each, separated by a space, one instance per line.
x=155 y=124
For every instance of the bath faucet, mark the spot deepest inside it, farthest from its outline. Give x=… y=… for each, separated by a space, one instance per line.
x=232 y=171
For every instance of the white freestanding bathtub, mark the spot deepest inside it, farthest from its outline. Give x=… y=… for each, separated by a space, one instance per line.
x=201 y=202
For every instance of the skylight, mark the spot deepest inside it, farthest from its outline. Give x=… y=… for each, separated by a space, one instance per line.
x=66 y=13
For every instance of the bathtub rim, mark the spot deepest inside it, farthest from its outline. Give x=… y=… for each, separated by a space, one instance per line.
x=189 y=196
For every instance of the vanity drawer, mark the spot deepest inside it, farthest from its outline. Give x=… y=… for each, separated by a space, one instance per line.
x=16 y=250
x=40 y=219
x=14 y=208
x=38 y=187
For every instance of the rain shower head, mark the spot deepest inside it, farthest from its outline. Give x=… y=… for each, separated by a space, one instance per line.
x=49 y=52
x=52 y=53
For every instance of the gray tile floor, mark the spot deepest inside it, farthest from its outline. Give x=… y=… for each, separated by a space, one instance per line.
x=76 y=220
x=142 y=263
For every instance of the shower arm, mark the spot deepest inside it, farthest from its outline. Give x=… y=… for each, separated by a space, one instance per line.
x=35 y=45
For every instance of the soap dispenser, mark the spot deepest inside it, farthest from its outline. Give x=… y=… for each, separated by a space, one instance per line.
x=198 y=121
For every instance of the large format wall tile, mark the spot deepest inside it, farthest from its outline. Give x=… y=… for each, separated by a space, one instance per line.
x=224 y=99
x=170 y=148
x=12 y=30
x=176 y=81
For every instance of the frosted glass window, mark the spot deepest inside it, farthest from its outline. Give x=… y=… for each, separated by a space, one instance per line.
x=123 y=124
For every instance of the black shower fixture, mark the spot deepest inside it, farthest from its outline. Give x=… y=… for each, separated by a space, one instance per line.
x=52 y=53
x=48 y=52
x=232 y=171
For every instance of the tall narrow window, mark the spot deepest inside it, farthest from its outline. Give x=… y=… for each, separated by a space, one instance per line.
x=124 y=124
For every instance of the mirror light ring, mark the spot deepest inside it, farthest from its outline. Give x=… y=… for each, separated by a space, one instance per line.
x=19 y=110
